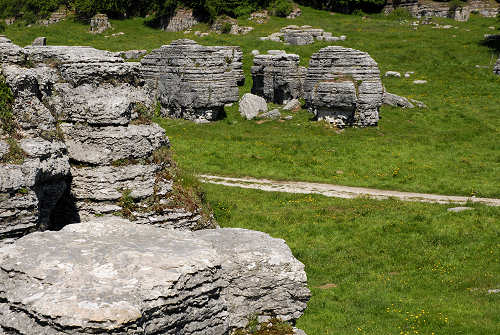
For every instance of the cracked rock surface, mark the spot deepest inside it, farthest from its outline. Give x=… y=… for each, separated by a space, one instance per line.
x=278 y=77
x=110 y=276
x=343 y=87
x=192 y=81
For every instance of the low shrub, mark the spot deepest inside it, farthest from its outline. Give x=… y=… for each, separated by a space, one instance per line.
x=400 y=14
x=281 y=8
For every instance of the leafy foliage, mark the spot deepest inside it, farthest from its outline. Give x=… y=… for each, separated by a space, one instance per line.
x=345 y=6
x=6 y=118
x=32 y=9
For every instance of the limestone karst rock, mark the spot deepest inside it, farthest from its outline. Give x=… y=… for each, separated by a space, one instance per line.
x=192 y=81
x=343 y=86
x=181 y=20
x=99 y=23
x=83 y=141
x=251 y=106
x=111 y=276
x=278 y=77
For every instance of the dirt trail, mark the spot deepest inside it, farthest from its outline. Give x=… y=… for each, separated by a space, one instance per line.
x=339 y=191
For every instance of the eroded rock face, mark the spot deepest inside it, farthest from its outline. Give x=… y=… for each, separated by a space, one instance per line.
x=181 y=20
x=343 y=86
x=278 y=77
x=99 y=23
x=260 y=276
x=86 y=109
x=194 y=82
x=111 y=276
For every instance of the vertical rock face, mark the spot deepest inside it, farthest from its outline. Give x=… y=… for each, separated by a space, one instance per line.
x=194 y=82
x=343 y=86
x=181 y=20
x=35 y=171
x=278 y=77
x=99 y=23
x=109 y=276
x=259 y=275
x=81 y=143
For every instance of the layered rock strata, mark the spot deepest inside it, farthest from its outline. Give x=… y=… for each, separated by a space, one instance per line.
x=34 y=166
x=111 y=276
x=194 y=82
x=278 y=77
x=84 y=144
x=343 y=87
x=420 y=9
x=302 y=35
x=181 y=20
x=99 y=24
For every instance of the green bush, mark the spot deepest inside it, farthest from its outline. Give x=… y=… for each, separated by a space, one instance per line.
x=3 y=26
x=400 y=14
x=31 y=9
x=6 y=98
x=281 y=8
x=226 y=28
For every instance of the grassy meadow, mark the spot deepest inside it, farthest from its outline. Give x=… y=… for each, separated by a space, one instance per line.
x=374 y=267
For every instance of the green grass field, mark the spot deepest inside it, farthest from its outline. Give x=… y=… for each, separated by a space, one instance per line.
x=393 y=267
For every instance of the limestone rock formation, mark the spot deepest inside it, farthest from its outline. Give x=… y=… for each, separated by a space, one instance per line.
x=181 y=20
x=397 y=101
x=260 y=276
x=112 y=276
x=40 y=41
x=496 y=70
x=194 y=82
x=82 y=143
x=302 y=35
x=423 y=9
x=99 y=23
x=343 y=86
x=296 y=12
x=278 y=77
x=251 y=106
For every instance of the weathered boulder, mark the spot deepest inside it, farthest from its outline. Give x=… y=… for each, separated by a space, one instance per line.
x=99 y=23
x=260 y=276
x=296 y=12
x=40 y=41
x=496 y=70
x=292 y=105
x=273 y=114
x=343 y=86
x=251 y=106
x=132 y=54
x=278 y=77
x=192 y=81
x=111 y=276
x=397 y=101
x=11 y=53
x=181 y=20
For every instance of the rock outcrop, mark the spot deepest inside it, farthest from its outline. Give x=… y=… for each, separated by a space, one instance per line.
x=422 y=9
x=303 y=35
x=35 y=170
x=496 y=70
x=99 y=24
x=111 y=276
x=251 y=106
x=83 y=144
x=343 y=87
x=278 y=77
x=181 y=20
x=194 y=82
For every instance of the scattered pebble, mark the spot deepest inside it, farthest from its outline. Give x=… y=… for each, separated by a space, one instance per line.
x=419 y=82
x=394 y=74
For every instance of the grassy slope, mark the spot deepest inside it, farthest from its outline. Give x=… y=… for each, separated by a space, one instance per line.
x=452 y=147
x=390 y=261
x=397 y=267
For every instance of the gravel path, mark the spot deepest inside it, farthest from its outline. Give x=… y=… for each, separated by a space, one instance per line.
x=339 y=191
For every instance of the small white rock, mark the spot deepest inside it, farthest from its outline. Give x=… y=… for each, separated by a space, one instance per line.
x=419 y=82
x=393 y=74
x=255 y=52
x=459 y=209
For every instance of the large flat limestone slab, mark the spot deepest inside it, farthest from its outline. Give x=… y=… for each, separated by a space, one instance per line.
x=110 y=277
